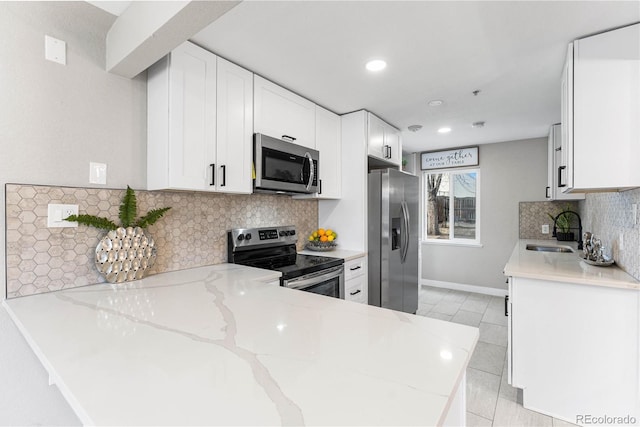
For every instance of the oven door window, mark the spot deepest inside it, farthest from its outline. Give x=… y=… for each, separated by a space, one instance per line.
x=330 y=288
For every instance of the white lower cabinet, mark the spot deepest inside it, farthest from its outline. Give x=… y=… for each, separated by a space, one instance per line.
x=573 y=348
x=355 y=280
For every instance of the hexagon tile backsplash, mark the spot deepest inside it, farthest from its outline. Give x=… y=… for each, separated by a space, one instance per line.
x=191 y=234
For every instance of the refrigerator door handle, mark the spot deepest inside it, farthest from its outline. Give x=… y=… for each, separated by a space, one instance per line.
x=405 y=232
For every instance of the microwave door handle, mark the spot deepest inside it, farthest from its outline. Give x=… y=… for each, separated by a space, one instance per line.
x=311 y=171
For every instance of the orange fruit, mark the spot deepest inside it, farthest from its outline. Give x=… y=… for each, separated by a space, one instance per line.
x=324 y=238
x=321 y=232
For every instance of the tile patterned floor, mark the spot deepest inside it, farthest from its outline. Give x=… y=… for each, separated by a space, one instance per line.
x=490 y=400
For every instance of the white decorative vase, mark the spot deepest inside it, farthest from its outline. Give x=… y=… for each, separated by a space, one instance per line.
x=125 y=254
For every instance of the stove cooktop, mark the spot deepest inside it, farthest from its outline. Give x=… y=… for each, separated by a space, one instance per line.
x=274 y=248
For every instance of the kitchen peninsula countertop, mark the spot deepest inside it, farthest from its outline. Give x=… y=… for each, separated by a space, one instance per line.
x=564 y=267
x=218 y=345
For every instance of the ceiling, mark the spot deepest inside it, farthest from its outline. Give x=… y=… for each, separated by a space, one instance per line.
x=512 y=51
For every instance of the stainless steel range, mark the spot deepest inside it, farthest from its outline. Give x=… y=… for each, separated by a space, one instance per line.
x=274 y=248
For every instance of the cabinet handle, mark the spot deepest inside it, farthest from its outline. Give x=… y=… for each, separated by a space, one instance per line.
x=320 y=185
x=506 y=305
x=355 y=293
x=224 y=175
x=387 y=151
x=355 y=268
x=213 y=173
x=290 y=138
x=546 y=192
x=560 y=169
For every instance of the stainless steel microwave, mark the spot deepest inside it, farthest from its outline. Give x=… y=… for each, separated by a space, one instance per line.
x=284 y=167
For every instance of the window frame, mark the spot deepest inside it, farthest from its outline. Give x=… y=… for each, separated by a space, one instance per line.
x=451 y=241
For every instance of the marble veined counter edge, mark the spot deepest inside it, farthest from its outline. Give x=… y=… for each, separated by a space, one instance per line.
x=564 y=267
x=200 y=346
x=346 y=254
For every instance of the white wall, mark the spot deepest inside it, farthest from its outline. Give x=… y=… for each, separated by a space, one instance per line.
x=54 y=119
x=510 y=172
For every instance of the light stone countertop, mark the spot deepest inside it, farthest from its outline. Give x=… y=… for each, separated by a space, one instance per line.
x=217 y=345
x=564 y=267
x=345 y=254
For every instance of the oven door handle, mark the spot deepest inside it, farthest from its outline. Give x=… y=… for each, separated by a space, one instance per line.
x=310 y=279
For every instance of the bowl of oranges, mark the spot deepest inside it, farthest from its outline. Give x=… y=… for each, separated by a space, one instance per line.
x=322 y=240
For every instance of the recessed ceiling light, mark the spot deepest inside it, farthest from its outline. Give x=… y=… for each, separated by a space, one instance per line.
x=436 y=102
x=414 y=128
x=376 y=65
x=477 y=124
x=444 y=130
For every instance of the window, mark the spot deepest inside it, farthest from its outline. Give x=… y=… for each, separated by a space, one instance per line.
x=452 y=206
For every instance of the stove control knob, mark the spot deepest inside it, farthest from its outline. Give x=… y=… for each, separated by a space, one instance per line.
x=281 y=233
x=240 y=237
x=248 y=236
x=292 y=232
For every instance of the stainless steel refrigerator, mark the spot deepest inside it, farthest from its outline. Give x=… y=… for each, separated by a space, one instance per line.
x=393 y=239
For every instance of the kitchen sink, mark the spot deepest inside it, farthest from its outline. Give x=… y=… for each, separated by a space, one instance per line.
x=544 y=248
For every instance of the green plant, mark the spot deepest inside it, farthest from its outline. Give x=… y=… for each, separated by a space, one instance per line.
x=128 y=212
x=563 y=223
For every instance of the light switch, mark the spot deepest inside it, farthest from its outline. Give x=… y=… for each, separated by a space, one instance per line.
x=97 y=173
x=57 y=213
x=545 y=228
x=55 y=50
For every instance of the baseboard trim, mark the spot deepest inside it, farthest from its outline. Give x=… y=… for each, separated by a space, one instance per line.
x=464 y=287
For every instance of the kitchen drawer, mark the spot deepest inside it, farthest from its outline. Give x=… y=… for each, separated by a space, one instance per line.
x=356 y=289
x=355 y=267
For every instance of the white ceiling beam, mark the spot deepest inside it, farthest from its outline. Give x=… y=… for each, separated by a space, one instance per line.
x=147 y=31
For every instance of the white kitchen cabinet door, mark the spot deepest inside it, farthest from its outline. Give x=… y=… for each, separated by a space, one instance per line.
x=383 y=141
x=181 y=120
x=606 y=111
x=234 y=142
x=555 y=170
x=329 y=144
x=392 y=141
x=280 y=113
x=565 y=168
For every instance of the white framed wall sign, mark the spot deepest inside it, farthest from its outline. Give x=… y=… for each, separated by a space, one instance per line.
x=458 y=157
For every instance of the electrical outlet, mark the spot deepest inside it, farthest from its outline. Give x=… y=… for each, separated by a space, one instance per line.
x=57 y=213
x=545 y=228
x=634 y=210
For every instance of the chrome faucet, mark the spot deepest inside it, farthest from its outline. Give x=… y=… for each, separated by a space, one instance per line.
x=579 y=226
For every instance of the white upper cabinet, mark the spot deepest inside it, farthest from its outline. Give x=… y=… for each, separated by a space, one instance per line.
x=280 y=113
x=383 y=141
x=199 y=123
x=556 y=169
x=181 y=120
x=329 y=144
x=603 y=101
x=234 y=144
